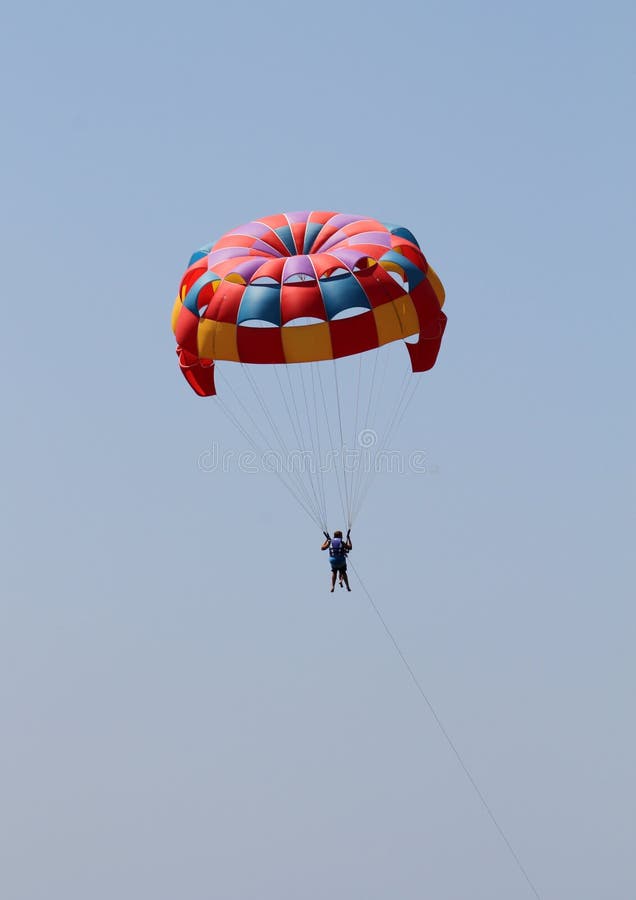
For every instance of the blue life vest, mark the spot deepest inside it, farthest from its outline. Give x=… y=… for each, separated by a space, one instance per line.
x=337 y=549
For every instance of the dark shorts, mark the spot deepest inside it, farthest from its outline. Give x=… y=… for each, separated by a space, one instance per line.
x=338 y=565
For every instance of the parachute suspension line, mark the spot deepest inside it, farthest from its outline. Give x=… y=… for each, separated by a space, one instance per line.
x=291 y=418
x=301 y=436
x=369 y=432
x=306 y=454
x=286 y=461
x=245 y=410
x=354 y=439
x=332 y=447
x=342 y=447
x=318 y=462
x=297 y=429
x=257 y=449
x=373 y=459
x=446 y=735
x=338 y=445
x=299 y=490
x=410 y=383
x=313 y=441
x=263 y=405
x=367 y=447
x=373 y=415
x=367 y=423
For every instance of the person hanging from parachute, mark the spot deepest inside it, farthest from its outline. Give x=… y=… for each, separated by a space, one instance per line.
x=338 y=551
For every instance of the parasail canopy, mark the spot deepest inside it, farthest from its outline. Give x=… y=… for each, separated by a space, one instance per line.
x=301 y=309
x=303 y=287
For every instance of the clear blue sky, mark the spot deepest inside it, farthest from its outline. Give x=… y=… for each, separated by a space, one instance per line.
x=185 y=710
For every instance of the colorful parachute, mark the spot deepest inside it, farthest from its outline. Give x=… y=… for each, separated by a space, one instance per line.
x=319 y=265
x=305 y=288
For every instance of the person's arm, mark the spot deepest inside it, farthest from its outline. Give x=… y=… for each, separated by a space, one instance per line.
x=349 y=545
x=325 y=544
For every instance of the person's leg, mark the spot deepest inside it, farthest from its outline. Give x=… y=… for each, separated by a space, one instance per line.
x=333 y=579
x=346 y=579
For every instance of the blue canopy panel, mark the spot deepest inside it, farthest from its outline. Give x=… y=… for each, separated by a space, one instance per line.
x=261 y=302
x=311 y=233
x=401 y=231
x=285 y=234
x=191 y=298
x=200 y=254
x=414 y=274
x=342 y=292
